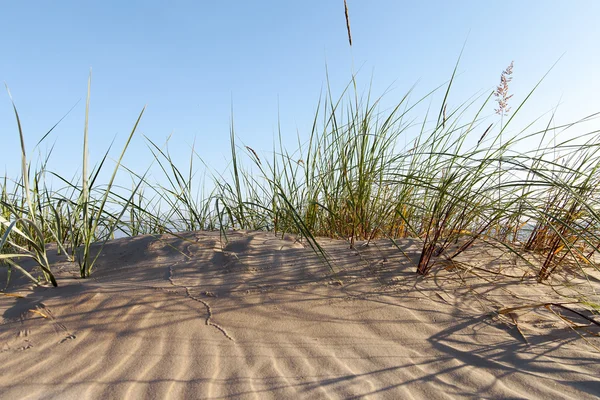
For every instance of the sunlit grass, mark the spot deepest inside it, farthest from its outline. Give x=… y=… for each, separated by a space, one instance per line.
x=457 y=182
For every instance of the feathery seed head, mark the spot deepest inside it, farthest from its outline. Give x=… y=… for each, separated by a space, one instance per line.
x=502 y=90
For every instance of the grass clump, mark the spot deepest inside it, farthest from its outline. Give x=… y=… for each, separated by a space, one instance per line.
x=92 y=209
x=74 y=217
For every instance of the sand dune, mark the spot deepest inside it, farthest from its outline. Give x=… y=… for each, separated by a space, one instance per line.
x=259 y=317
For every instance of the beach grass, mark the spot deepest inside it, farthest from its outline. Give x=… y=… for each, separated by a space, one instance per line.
x=458 y=181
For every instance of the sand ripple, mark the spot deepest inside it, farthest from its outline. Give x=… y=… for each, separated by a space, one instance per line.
x=259 y=317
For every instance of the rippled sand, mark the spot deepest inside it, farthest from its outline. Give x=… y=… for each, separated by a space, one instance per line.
x=258 y=316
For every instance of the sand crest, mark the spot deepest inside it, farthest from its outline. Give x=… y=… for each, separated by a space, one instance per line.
x=260 y=316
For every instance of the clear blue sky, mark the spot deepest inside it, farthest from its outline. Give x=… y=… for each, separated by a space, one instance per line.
x=190 y=61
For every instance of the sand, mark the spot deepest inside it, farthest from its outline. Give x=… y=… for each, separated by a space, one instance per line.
x=261 y=317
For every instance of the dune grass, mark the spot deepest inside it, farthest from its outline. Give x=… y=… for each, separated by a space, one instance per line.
x=74 y=216
x=456 y=182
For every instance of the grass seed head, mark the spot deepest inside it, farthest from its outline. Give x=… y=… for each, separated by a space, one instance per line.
x=502 y=90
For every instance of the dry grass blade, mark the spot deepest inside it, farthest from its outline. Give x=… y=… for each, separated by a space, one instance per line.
x=348 y=22
x=514 y=319
x=510 y=310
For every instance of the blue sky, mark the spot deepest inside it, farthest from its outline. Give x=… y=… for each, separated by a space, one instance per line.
x=191 y=61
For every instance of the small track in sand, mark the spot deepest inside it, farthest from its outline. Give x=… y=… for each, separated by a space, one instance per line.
x=209 y=315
